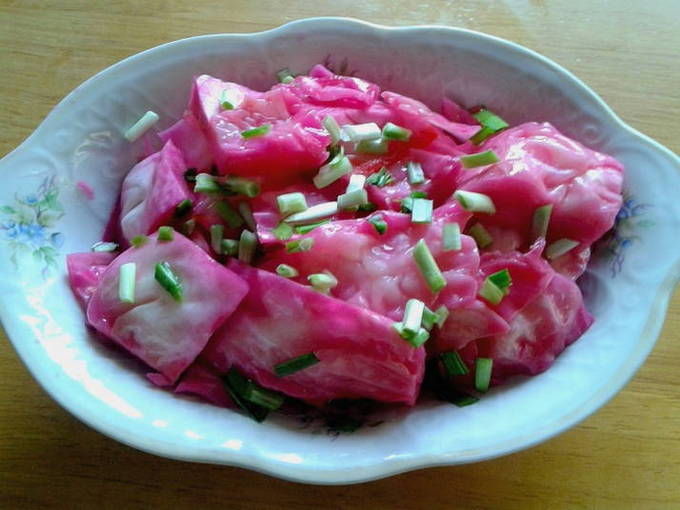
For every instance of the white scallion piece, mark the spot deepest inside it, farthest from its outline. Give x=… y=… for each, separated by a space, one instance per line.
x=333 y=129
x=352 y=199
x=451 y=239
x=247 y=215
x=378 y=146
x=290 y=203
x=314 y=213
x=415 y=173
x=356 y=181
x=126 y=282
x=323 y=282
x=475 y=202
x=560 y=247
x=362 y=132
x=287 y=271
x=246 y=246
x=541 y=221
x=329 y=173
x=141 y=126
x=413 y=317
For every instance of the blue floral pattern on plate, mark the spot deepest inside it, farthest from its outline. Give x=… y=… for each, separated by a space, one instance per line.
x=29 y=224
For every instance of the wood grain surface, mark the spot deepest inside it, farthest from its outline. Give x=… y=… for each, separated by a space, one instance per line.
x=625 y=456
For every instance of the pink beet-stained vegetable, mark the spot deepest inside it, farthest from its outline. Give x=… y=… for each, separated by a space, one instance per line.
x=164 y=332
x=361 y=355
x=151 y=192
x=319 y=240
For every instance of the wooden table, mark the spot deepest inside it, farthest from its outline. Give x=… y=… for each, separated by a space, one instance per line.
x=626 y=456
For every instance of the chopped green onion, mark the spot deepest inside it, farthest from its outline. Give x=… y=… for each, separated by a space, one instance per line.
x=253 y=393
x=421 y=210
x=285 y=76
x=229 y=247
x=406 y=205
x=480 y=235
x=414 y=173
x=256 y=131
x=329 y=173
x=362 y=132
x=428 y=267
x=475 y=202
x=352 y=199
x=183 y=208
x=139 y=240
x=380 y=178
x=378 y=223
x=540 y=221
x=421 y=337
x=372 y=147
x=483 y=369
x=246 y=246
x=286 y=271
x=413 y=318
x=206 y=183
x=165 y=233
x=235 y=384
x=453 y=363
x=490 y=123
x=283 y=231
x=369 y=207
x=502 y=280
x=481 y=135
x=228 y=214
x=168 y=280
x=296 y=364
x=442 y=314
x=560 y=247
x=304 y=244
x=126 y=282
x=242 y=186
x=479 y=159
x=429 y=318
x=216 y=236
x=333 y=129
x=491 y=292
x=356 y=181
x=462 y=399
x=290 y=203
x=141 y=126
x=247 y=214
x=314 y=213
x=323 y=282
x=393 y=132
x=102 y=246
x=451 y=239
x=225 y=103
x=306 y=229
x=188 y=227
x=418 y=194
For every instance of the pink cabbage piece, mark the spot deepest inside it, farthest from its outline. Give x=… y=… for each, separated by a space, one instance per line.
x=465 y=324
x=456 y=113
x=164 y=333
x=85 y=270
x=202 y=380
x=151 y=192
x=360 y=353
x=539 y=332
x=540 y=166
x=187 y=136
x=377 y=271
x=294 y=145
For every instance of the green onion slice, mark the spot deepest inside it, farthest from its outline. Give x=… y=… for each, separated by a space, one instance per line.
x=235 y=384
x=479 y=159
x=306 y=229
x=216 y=236
x=332 y=171
x=314 y=213
x=296 y=364
x=475 y=202
x=414 y=173
x=490 y=122
x=491 y=292
x=453 y=363
x=428 y=267
x=380 y=178
x=126 y=282
x=183 y=208
x=451 y=239
x=242 y=186
x=208 y=184
x=356 y=181
x=230 y=247
x=283 y=231
x=290 y=203
x=103 y=246
x=165 y=233
x=188 y=227
x=287 y=271
x=372 y=147
x=502 y=280
x=167 y=279
x=323 y=282
x=228 y=214
x=285 y=76
x=442 y=314
x=333 y=129
x=362 y=132
x=560 y=247
x=378 y=223
x=246 y=246
x=352 y=199
x=299 y=245
x=480 y=235
x=256 y=131
x=139 y=240
x=421 y=210
x=393 y=132
x=141 y=126
x=413 y=318
x=247 y=214
x=541 y=221
x=420 y=338
x=225 y=100
x=483 y=369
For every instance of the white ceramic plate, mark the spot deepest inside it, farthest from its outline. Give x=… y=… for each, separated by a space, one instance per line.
x=43 y=216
